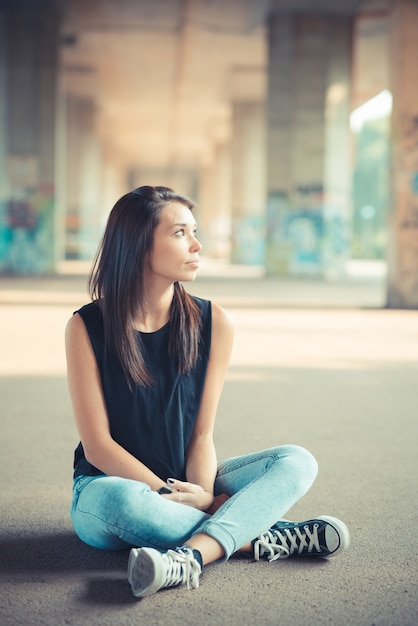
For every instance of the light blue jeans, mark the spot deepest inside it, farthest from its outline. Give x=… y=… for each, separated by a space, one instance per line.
x=114 y=513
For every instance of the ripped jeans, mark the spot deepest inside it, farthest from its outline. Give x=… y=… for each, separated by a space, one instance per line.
x=115 y=513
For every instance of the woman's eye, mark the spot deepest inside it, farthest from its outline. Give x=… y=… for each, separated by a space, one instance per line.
x=179 y=233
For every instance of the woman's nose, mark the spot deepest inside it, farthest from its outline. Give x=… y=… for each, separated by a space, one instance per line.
x=196 y=245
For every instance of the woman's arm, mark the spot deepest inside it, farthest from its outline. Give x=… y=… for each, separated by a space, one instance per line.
x=201 y=462
x=90 y=411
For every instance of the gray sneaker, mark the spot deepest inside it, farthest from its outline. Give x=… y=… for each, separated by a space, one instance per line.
x=323 y=536
x=150 y=570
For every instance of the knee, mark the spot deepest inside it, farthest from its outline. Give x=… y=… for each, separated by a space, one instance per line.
x=306 y=464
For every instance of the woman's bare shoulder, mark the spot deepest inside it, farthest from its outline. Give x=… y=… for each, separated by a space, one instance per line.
x=222 y=321
x=75 y=326
x=76 y=335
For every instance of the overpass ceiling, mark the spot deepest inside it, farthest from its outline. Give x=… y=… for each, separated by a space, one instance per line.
x=163 y=74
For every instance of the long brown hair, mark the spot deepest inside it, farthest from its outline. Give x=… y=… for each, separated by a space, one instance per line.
x=117 y=280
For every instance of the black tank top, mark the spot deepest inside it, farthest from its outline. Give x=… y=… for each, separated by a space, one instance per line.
x=155 y=423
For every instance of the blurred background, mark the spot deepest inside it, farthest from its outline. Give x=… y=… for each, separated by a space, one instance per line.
x=293 y=123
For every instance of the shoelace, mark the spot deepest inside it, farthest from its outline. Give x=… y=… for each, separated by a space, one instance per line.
x=182 y=567
x=280 y=545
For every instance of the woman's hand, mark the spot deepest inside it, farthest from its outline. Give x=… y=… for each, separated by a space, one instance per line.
x=189 y=494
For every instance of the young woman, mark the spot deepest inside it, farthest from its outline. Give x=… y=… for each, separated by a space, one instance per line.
x=146 y=366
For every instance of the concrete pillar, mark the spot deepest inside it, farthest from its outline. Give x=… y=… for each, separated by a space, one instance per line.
x=4 y=192
x=28 y=60
x=248 y=183
x=337 y=202
x=84 y=179
x=403 y=214
x=308 y=128
x=113 y=183
x=214 y=198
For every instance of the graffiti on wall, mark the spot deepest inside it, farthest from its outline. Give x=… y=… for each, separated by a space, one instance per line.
x=26 y=221
x=294 y=236
x=305 y=235
x=409 y=134
x=278 y=250
x=410 y=166
x=248 y=241
x=27 y=236
x=410 y=218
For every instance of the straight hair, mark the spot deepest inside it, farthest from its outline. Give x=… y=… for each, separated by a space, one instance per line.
x=116 y=283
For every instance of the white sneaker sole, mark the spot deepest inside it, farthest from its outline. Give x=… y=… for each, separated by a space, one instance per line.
x=143 y=571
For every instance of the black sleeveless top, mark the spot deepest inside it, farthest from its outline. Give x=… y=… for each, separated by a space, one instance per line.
x=155 y=423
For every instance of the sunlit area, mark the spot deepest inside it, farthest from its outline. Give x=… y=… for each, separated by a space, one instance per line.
x=377 y=108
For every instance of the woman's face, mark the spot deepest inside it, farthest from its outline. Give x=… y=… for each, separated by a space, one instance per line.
x=175 y=252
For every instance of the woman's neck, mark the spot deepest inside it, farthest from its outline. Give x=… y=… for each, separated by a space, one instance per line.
x=156 y=311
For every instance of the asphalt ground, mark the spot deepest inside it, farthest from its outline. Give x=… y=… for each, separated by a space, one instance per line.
x=317 y=364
